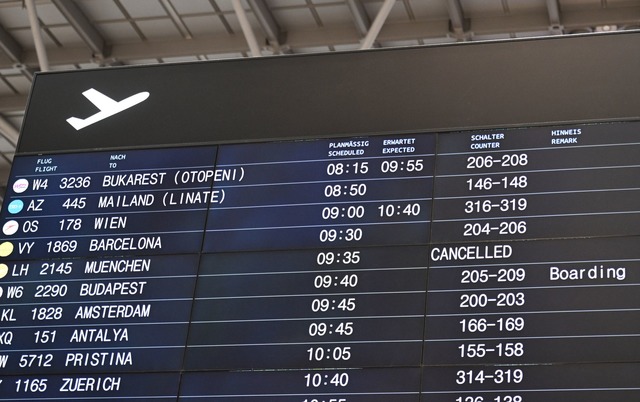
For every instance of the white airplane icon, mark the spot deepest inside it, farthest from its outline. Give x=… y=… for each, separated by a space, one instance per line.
x=108 y=107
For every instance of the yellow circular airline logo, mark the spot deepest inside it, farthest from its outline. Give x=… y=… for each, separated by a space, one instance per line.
x=6 y=249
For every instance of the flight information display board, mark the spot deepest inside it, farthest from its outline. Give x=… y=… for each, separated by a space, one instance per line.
x=483 y=265
x=452 y=223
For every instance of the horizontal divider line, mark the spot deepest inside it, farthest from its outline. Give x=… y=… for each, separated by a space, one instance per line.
x=584 y=216
x=372 y=317
x=311 y=295
x=304 y=343
x=535 y=287
x=503 y=391
x=539 y=263
x=569 y=169
x=470 y=152
x=328 y=226
x=517 y=338
x=622 y=310
x=597 y=190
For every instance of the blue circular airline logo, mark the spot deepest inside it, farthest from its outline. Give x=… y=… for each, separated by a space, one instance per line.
x=15 y=206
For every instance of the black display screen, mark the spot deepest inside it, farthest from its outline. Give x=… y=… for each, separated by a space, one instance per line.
x=346 y=269
x=451 y=223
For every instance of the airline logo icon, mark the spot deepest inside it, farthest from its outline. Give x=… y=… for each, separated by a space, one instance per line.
x=6 y=249
x=108 y=107
x=10 y=228
x=15 y=207
x=21 y=185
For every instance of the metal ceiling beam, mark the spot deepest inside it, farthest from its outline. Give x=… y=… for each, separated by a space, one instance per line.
x=459 y=26
x=10 y=46
x=26 y=71
x=345 y=34
x=176 y=19
x=249 y=35
x=377 y=24
x=135 y=51
x=34 y=22
x=216 y=44
x=83 y=27
x=555 y=23
x=360 y=17
x=275 y=35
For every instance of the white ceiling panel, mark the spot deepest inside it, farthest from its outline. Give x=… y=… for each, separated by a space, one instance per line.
x=23 y=36
x=529 y=6
x=429 y=9
x=49 y=15
x=580 y=4
x=154 y=29
x=234 y=24
x=20 y=83
x=100 y=10
x=398 y=11
x=144 y=8
x=5 y=146
x=295 y=18
x=6 y=89
x=334 y=14
x=225 y=5
x=67 y=35
x=205 y=25
x=473 y=8
x=192 y=6
x=13 y=17
x=287 y=3
x=118 y=31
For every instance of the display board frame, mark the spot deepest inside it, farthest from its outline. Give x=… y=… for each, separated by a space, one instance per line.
x=525 y=82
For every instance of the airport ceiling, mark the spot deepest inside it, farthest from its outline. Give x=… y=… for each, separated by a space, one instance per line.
x=81 y=34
